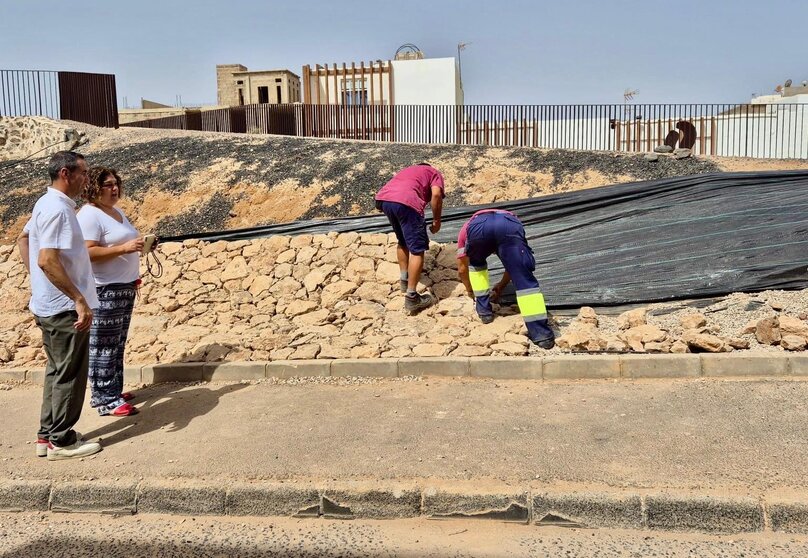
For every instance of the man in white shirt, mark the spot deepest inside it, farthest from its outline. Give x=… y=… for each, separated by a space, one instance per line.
x=63 y=298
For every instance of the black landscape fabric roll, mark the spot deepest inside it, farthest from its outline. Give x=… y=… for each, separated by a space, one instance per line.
x=685 y=237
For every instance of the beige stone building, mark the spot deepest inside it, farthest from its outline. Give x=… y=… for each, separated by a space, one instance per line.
x=236 y=85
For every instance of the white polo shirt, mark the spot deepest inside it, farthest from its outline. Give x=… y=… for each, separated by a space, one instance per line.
x=53 y=224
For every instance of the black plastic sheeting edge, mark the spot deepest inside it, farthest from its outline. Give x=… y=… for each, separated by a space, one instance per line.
x=687 y=237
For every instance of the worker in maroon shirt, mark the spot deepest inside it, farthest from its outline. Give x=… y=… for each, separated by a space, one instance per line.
x=496 y=231
x=403 y=200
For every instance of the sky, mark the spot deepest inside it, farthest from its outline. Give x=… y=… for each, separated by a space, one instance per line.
x=519 y=52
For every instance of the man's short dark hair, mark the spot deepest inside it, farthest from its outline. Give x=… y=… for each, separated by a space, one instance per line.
x=423 y=164
x=63 y=160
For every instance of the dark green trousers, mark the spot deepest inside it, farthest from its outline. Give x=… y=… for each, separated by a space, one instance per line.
x=65 y=377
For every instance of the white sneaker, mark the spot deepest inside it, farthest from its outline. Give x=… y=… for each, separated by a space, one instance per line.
x=79 y=449
x=42 y=445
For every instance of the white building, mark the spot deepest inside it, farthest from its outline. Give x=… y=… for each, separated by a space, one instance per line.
x=428 y=81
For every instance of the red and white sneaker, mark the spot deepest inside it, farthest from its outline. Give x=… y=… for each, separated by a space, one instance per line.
x=79 y=449
x=42 y=445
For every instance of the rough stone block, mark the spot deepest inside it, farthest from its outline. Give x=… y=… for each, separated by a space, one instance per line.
x=377 y=367
x=12 y=375
x=298 y=368
x=788 y=517
x=502 y=506
x=234 y=371
x=94 y=497
x=132 y=375
x=588 y=510
x=661 y=366
x=175 y=372
x=181 y=498
x=18 y=496
x=506 y=368
x=272 y=499
x=373 y=503
x=744 y=365
x=569 y=367
x=439 y=366
x=704 y=513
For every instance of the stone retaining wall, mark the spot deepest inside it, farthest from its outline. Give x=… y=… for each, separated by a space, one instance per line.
x=22 y=137
x=305 y=297
x=334 y=296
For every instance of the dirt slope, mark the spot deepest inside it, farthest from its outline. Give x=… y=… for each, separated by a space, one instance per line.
x=179 y=182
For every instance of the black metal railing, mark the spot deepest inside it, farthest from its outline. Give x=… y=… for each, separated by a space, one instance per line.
x=778 y=130
x=79 y=96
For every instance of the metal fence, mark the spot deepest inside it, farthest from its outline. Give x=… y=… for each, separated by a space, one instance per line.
x=777 y=131
x=79 y=96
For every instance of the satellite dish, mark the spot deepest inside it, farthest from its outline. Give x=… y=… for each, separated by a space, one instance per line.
x=787 y=83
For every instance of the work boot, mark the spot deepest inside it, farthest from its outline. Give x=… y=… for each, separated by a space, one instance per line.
x=414 y=304
x=487 y=319
x=546 y=344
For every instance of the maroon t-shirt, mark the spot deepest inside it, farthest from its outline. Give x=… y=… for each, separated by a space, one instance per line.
x=412 y=187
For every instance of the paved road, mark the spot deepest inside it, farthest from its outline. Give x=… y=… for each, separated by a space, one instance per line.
x=700 y=434
x=66 y=536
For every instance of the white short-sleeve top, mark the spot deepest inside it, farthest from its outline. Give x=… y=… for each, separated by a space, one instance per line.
x=99 y=227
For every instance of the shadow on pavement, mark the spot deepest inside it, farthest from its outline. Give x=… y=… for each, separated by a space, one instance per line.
x=169 y=407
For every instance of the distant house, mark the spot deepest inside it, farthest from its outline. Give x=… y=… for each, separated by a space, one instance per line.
x=236 y=86
x=410 y=79
x=150 y=110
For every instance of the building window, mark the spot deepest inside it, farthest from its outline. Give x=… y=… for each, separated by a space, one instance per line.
x=240 y=82
x=354 y=98
x=240 y=96
x=263 y=94
x=354 y=92
x=278 y=90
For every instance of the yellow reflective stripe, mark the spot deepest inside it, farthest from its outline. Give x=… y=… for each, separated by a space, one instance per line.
x=479 y=281
x=531 y=304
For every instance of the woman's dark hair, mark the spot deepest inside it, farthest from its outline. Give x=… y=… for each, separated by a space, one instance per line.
x=97 y=177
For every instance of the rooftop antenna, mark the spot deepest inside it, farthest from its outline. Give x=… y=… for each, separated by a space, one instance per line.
x=628 y=96
x=460 y=46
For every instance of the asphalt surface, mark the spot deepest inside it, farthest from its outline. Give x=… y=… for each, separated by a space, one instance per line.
x=44 y=536
x=689 y=434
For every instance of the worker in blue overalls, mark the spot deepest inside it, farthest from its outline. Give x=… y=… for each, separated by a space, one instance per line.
x=496 y=231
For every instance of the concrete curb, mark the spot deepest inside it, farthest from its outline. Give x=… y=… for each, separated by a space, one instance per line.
x=181 y=498
x=549 y=368
x=94 y=497
x=538 y=506
x=24 y=496
x=13 y=375
x=704 y=513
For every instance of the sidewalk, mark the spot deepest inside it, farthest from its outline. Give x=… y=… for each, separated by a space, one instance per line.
x=638 y=446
